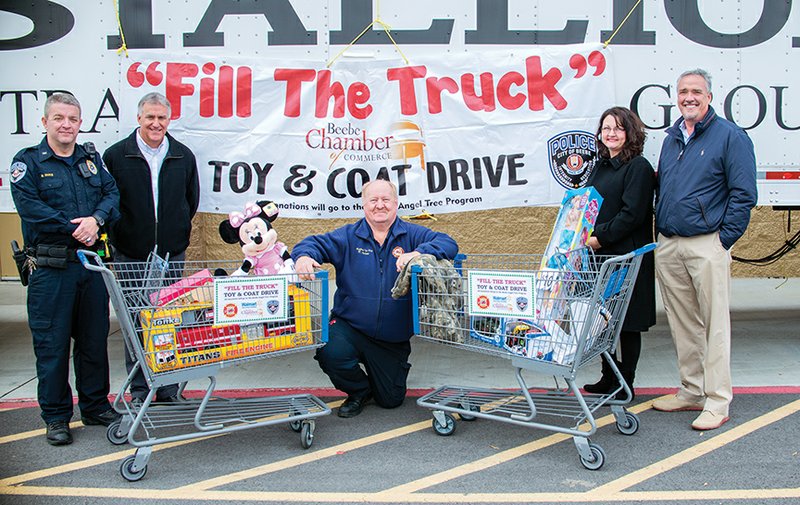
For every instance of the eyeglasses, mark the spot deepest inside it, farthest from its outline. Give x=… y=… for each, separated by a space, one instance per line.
x=616 y=129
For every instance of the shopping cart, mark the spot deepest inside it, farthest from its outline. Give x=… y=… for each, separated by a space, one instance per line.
x=180 y=323
x=547 y=320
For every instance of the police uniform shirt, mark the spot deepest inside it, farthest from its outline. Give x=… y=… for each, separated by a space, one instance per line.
x=49 y=191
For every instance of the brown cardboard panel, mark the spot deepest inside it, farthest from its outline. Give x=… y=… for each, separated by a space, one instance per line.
x=9 y=230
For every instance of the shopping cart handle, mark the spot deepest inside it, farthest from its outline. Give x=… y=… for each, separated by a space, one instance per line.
x=644 y=249
x=88 y=258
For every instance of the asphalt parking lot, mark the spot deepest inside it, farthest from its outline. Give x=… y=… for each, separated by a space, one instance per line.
x=394 y=456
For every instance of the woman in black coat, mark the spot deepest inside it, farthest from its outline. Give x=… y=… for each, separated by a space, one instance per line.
x=625 y=179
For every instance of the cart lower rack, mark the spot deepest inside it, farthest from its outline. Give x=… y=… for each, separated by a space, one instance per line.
x=184 y=321
x=552 y=319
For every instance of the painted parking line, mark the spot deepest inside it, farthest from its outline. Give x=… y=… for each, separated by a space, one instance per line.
x=410 y=493
x=305 y=458
x=698 y=450
x=501 y=457
x=33 y=433
x=107 y=458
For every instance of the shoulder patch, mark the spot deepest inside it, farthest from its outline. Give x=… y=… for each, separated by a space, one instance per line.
x=92 y=167
x=18 y=171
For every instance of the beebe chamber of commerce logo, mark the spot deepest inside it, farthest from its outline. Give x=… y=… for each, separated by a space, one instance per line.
x=572 y=157
x=351 y=143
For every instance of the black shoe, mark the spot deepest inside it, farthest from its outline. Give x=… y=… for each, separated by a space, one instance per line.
x=104 y=418
x=354 y=405
x=58 y=433
x=176 y=398
x=604 y=386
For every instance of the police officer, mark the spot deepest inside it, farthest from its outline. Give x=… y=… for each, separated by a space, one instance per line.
x=63 y=195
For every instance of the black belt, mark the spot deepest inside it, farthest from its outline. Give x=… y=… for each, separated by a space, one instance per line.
x=55 y=256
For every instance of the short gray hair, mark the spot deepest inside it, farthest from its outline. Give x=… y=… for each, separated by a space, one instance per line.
x=59 y=97
x=154 y=99
x=702 y=73
x=387 y=181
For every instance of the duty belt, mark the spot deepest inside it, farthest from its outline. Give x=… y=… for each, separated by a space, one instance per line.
x=55 y=256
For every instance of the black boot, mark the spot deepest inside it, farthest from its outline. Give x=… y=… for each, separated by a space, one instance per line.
x=606 y=384
x=628 y=376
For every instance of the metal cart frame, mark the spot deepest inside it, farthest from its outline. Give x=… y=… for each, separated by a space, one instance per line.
x=603 y=283
x=148 y=423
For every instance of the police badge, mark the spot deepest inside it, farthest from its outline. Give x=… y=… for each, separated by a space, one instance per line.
x=572 y=156
x=272 y=306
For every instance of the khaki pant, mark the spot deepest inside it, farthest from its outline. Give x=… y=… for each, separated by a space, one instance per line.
x=694 y=278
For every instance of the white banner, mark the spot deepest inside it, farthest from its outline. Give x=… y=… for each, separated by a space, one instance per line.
x=467 y=132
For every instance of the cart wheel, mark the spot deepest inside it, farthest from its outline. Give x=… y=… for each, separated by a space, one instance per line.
x=447 y=429
x=631 y=426
x=115 y=436
x=297 y=424
x=306 y=435
x=598 y=458
x=127 y=471
x=467 y=417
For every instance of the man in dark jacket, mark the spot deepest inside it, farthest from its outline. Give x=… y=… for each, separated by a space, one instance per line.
x=367 y=325
x=706 y=189
x=159 y=193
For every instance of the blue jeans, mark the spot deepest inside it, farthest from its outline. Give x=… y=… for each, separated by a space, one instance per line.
x=385 y=364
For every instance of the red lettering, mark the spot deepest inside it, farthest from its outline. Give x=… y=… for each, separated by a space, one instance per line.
x=357 y=94
x=434 y=87
x=207 y=91
x=484 y=102
x=504 y=96
x=405 y=77
x=244 y=91
x=326 y=91
x=176 y=88
x=225 y=98
x=294 y=79
x=541 y=86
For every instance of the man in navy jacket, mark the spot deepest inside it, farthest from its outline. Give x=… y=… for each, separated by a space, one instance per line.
x=706 y=189
x=63 y=195
x=368 y=326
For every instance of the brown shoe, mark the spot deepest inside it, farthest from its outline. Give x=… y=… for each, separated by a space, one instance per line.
x=709 y=421
x=675 y=403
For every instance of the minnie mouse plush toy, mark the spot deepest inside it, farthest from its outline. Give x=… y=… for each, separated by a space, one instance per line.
x=253 y=230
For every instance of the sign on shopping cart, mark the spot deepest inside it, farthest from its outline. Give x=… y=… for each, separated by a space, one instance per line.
x=250 y=299
x=498 y=293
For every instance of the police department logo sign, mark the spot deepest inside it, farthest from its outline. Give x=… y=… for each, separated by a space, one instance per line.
x=273 y=306
x=522 y=303
x=572 y=157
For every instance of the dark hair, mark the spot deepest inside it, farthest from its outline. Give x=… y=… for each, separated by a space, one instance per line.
x=635 y=134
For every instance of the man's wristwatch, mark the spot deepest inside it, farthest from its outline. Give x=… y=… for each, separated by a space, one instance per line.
x=100 y=220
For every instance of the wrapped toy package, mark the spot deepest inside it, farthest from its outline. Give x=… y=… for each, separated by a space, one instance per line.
x=180 y=336
x=574 y=224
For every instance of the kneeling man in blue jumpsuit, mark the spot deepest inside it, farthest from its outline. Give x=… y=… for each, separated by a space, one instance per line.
x=63 y=195
x=367 y=325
